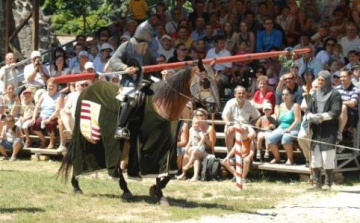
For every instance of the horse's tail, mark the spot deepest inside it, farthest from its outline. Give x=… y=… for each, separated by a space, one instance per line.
x=66 y=164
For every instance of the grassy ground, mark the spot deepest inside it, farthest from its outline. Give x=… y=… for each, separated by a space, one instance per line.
x=30 y=192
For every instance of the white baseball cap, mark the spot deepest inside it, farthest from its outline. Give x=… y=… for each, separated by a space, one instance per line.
x=105 y=46
x=35 y=54
x=267 y=106
x=89 y=65
x=83 y=53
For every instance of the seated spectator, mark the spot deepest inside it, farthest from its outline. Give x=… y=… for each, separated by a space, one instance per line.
x=13 y=73
x=265 y=123
x=304 y=43
x=45 y=114
x=353 y=57
x=356 y=76
x=339 y=20
x=26 y=114
x=172 y=25
x=10 y=100
x=336 y=79
x=103 y=58
x=209 y=37
x=59 y=67
x=10 y=139
x=338 y=55
x=139 y=10
x=318 y=38
x=301 y=27
x=199 y=31
x=83 y=58
x=198 y=12
x=130 y=28
x=350 y=98
x=308 y=62
x=195 y=146
x=35 y=74
x=324 y=56
x=74 y=62
x=223 y=69
x=165 y=47
x=285 y=19
x=184 y=37
x=263 y=95
x=288 y=81
x=247 y=153
x=238 y=109
x=67 y=109
x=180 y=54
x=245 y=35
x=210 y=138
x=269 y=37
x=288 y=115
x=230 y=37
x=183 y=136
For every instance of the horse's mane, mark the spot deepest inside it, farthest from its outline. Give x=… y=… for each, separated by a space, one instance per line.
x=168 y=93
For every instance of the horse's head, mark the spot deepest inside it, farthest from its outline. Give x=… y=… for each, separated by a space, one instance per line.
x=204 y=89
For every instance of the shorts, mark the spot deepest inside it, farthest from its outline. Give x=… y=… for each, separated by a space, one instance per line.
x=263 y=134
x=180 y=151
x=9 y=145
x=50 y=127
x=24 y=125
x=278 y=135
x=353 y=118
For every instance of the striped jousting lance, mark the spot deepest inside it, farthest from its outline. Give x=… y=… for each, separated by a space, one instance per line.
x=177 y=65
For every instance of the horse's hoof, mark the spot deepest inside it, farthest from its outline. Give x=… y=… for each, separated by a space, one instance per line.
x=164 y=202
x=127 y=196
x=78 y=191
x=152 y=191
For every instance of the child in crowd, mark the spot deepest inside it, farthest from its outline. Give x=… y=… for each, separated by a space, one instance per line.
x=195 y=145
x=265 y=123
x=247 y=153
x=11 y=139
x=26 y=114
x=9 y=99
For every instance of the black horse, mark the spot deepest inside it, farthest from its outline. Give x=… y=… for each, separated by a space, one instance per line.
x=153 y=133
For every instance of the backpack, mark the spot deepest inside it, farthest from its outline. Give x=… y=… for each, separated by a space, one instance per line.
x=211 y=169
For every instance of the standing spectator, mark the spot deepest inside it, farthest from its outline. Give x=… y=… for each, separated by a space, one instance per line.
x=351 y=40
x=288 y=115
x=350 y=98
x=11 y=139
x=45 y=114
x=165 y=47
x=36 y=74
x=324 y=112
x=238 y=109
x=12 y=77
x=224 y=69
x=139 y=10
x=268 y=38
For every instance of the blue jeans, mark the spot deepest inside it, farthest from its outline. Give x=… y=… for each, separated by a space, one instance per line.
x=278 y=134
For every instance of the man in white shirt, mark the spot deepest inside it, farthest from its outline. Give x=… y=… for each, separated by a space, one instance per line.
x=12 y=73
x=351 y=40
x=224 y=69
x=36 y=74
x=238 y=109
x=165 y=47
x=172 y=26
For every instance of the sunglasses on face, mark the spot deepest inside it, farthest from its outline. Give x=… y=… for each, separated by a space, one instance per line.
x=84 y=85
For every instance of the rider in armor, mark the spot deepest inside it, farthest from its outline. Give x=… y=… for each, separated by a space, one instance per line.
x=137 y=47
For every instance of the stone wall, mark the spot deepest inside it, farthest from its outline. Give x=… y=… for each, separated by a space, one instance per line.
x=21 y=9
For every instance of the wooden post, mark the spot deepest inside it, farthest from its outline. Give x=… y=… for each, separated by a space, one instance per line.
x=35 y=17
x=8 y=23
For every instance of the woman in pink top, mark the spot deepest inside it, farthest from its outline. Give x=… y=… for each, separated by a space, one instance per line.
x=263 y=94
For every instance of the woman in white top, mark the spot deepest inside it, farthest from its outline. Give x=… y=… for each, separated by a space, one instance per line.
x=59 y=67
x=104 y=57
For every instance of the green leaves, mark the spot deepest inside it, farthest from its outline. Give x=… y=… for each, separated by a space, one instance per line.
x=288 y=59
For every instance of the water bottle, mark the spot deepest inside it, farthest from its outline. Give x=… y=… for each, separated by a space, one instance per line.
x=42 y=124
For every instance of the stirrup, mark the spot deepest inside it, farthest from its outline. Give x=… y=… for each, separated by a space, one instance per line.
x=122 y=133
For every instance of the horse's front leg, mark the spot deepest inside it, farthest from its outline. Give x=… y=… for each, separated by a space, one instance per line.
x=75 y=184
x=127 y=195
x=156 y=190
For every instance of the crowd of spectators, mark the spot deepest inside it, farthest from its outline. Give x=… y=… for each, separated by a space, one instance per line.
x=253 y=90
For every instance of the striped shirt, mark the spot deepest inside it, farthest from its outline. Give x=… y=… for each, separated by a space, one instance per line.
x=349 y=94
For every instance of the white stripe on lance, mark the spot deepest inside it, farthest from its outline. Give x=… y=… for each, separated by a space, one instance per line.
x=238 y=157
